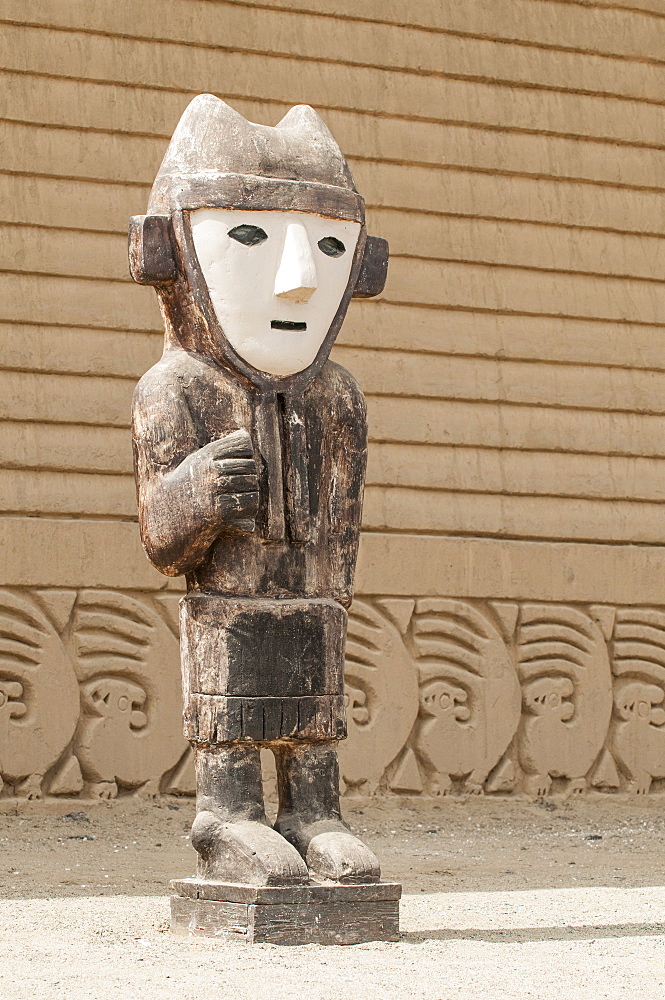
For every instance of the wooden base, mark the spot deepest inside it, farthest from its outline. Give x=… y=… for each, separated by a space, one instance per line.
x=304 y=914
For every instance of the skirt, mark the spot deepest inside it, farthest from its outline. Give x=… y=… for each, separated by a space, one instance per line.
x=262 y=670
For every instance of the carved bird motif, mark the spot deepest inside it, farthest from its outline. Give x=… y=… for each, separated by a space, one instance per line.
x=567 y=696
x=381 y=695
x=637 y=735
x=112 y=713
x=470 y=697
x=39 y=701
x=130 y=731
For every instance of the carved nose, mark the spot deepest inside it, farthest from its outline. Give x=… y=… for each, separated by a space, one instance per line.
x=296 y=274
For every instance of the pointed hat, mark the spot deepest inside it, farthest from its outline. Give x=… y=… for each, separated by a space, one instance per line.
x=217 y=158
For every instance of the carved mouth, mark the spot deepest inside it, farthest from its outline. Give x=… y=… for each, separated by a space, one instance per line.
x=287 y=324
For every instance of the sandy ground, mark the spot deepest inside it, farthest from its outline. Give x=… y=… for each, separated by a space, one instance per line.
x=502 y=899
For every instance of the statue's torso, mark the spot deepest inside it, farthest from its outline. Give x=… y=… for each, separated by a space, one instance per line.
x=200 y=402
x=262 y=628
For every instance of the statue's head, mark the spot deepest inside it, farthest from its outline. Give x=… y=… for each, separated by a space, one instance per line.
x=255 y=238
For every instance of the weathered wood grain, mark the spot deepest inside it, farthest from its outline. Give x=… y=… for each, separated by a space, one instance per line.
x=330 y=922
x=194 y=888
x=250 y=483
x=487 y=204
x=373 y=270
x=152 y=258
x=227 y=644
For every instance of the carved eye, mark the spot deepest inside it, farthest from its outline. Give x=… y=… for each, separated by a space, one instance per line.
x=249 y=236
x=331 y=246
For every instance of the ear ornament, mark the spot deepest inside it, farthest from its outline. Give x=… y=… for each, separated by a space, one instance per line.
x=151 y=255
x=373 y=269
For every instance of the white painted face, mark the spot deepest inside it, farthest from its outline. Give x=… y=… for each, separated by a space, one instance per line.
x=275 y=279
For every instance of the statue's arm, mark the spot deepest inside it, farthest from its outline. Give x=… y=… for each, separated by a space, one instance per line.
x=349 y=446
x=187 y=495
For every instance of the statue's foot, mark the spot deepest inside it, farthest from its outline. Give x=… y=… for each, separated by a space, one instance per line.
x=245 y=851
x=331 y=851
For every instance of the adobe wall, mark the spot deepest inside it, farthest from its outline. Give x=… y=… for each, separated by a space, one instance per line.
x=509 y=633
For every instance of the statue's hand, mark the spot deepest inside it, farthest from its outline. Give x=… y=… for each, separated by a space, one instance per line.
x=230 y=473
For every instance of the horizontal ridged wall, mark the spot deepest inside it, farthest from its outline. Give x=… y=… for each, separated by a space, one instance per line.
x=512 y=153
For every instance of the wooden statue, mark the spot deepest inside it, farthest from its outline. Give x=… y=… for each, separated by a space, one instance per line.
x=250 y=451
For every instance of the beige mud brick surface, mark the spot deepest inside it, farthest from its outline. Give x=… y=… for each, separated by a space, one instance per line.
x=514 y=371
x=503 y=900
x=444 y=696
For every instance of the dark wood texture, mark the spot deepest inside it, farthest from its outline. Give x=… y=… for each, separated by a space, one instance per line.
x=258 y=194
x=234 y=892
x=374 y=268
x=217 y=157
x=194 y=522
x=218 y=718
x=289 y=916
x=262 y=670
x=152 y=259
x=251 y=485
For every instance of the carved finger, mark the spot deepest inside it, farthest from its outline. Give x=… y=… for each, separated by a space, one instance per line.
x=247 y=503
x=238 y=484
x=238 y=505
x=235 y=466
x=238 y=444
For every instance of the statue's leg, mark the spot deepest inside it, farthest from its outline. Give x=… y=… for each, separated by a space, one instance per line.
x=309 y=814
x=230 y=831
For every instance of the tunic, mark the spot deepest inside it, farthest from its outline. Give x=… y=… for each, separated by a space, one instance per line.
x=263 y=624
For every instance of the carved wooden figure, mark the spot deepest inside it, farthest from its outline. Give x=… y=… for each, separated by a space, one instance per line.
x=250 y=450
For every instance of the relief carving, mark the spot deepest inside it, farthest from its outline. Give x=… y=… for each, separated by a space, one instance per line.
x=469 y=698
x=381 y=695
x=39 y=700
x=637 y=735
x=567 y=696
x=457 y=728
x=127 y=661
